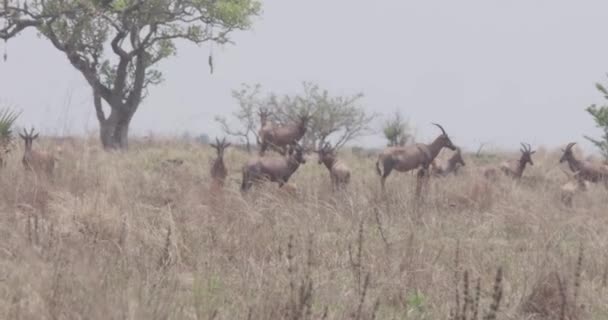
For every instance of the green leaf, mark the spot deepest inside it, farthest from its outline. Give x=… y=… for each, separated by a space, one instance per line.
x=7 y=121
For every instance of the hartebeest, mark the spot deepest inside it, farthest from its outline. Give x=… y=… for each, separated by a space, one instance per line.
x=280 y=136
x=35 y=160
x=339 y=172
x=218 y=169
x=276 y=169
x=514 y=168
x=586 y=170
x=451 y=166
x=411 y=157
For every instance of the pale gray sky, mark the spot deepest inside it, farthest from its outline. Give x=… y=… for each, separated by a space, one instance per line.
x=488 y=70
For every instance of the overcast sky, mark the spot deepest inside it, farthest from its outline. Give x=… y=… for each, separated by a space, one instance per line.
x=489 y=71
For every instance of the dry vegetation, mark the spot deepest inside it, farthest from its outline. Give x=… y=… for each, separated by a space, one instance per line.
x=134 y=236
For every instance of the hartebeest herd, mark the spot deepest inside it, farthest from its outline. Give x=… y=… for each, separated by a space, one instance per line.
x=285 y=139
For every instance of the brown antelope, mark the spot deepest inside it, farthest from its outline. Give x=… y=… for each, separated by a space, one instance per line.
x=339 y=172
x=276 y=169
x=513 y=168
x=451 y=166
x=218 y=169
x=411 y=157
x=35 y=160
x=280 y=136
x=586 y=170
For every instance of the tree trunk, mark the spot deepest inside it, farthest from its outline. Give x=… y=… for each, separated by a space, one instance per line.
x=114 y=131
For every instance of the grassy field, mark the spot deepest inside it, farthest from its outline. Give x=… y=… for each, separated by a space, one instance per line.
x=128 y=236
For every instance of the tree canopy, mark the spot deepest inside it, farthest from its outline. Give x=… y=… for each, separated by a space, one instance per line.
x=337 y=118
x=340 y=119
x=600 y=116
x=116 y=44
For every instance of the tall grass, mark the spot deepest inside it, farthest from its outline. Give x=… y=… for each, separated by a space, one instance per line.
x=131 y=236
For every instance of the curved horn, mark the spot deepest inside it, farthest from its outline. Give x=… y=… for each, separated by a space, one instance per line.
x=440 y=127
x=570 y=145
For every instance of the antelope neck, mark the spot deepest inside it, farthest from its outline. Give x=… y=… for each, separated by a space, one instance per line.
x=329 y=162
x=520 y=167
x=573 y=163
x=435 y=147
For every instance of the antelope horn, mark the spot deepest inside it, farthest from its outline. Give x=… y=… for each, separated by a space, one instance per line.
x=32 y=131
x=570 y=145
x=440 y=127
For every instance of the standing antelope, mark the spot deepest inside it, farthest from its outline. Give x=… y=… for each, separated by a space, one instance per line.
x=280 y=136
x=35 y=160
x=584 y=169
x=276 y=169
x=411 y=157
x=218 y=169
x=339 y=172
x=514 y=168
x=451 y=166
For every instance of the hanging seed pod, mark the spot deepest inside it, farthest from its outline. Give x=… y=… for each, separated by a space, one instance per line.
x=5 y=55
x=210 y=63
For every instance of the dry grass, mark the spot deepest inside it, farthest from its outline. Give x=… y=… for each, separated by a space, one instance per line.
x=129 y=236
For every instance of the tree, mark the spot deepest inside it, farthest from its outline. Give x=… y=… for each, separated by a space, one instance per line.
x=338 y=118
x=396 y=130
x=247 y=115
x=600 y=116
x=116 y=44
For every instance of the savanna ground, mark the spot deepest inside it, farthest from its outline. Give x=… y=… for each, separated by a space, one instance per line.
x=130 y=236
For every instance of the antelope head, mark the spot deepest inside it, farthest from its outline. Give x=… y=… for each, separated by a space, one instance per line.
x=324 y=152
x=220 y=146
x=296 y=153
x=526 y=154
x=444 y=139
x=567 y=153
x=29 y=138
x=264 y=114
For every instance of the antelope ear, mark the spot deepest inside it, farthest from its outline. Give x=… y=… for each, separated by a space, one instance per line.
x=227 y=145
x=533 y=152
x=22 y=137
x=213 y=145
x=35 y=136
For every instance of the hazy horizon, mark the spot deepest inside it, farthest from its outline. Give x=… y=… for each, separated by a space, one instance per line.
x=488 y=71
